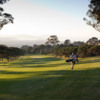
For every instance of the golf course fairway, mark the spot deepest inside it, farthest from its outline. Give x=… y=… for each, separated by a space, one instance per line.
x=43 y=77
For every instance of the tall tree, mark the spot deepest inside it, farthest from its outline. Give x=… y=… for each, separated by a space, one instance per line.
x=94 y=14
x=52 y=40
x=67 y=42
x=5 y=18
x=92 y=41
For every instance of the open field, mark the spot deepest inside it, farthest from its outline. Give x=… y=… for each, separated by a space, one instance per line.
x=39 y=77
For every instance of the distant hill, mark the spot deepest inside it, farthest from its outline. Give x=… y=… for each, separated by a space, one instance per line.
x=19 y=43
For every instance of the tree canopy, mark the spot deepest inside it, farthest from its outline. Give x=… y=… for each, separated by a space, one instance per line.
x=5 y=18
x=52 y=40
x=94 y=14
x=67 y=42
x=3 y=1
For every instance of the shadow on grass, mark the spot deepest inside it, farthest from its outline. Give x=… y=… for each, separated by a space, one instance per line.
x=89 y=61
x=42 y=66
x=37 y=60
x=41 y=62
x=52 y=85
x=13 y=72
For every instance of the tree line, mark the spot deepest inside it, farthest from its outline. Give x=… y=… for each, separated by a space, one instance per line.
x=60 y=50
x=81 y=51
x=10 y=53
x=37 y=49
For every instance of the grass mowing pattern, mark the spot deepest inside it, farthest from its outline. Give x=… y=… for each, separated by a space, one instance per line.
x=41 y=77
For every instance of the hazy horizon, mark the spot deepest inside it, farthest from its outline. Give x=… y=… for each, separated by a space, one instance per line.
x=12 y=42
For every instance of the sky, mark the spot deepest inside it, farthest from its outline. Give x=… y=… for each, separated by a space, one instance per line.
x=36 y=20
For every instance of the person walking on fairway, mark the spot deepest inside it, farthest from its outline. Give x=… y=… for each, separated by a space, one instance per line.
x=72 y=57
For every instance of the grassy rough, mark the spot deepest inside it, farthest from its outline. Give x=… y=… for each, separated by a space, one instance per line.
x=38 y=77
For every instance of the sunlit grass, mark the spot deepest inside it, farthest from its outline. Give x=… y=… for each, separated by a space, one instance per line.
x=42 y=77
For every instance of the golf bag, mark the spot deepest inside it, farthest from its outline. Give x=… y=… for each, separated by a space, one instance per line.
x=69 y=60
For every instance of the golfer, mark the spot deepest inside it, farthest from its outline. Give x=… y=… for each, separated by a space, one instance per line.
x=72 y=56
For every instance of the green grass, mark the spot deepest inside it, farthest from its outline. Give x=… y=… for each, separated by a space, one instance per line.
x=39 y=77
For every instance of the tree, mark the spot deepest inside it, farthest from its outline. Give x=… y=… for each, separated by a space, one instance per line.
x=83 y=50
x=5 y=18
x=27 y=49
x=52 y=40
x=12 y=53
x=64 y=51
x=67 y=42
x=3 y=48
x=94 y=14
x=92 y=41
x=94 y=50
